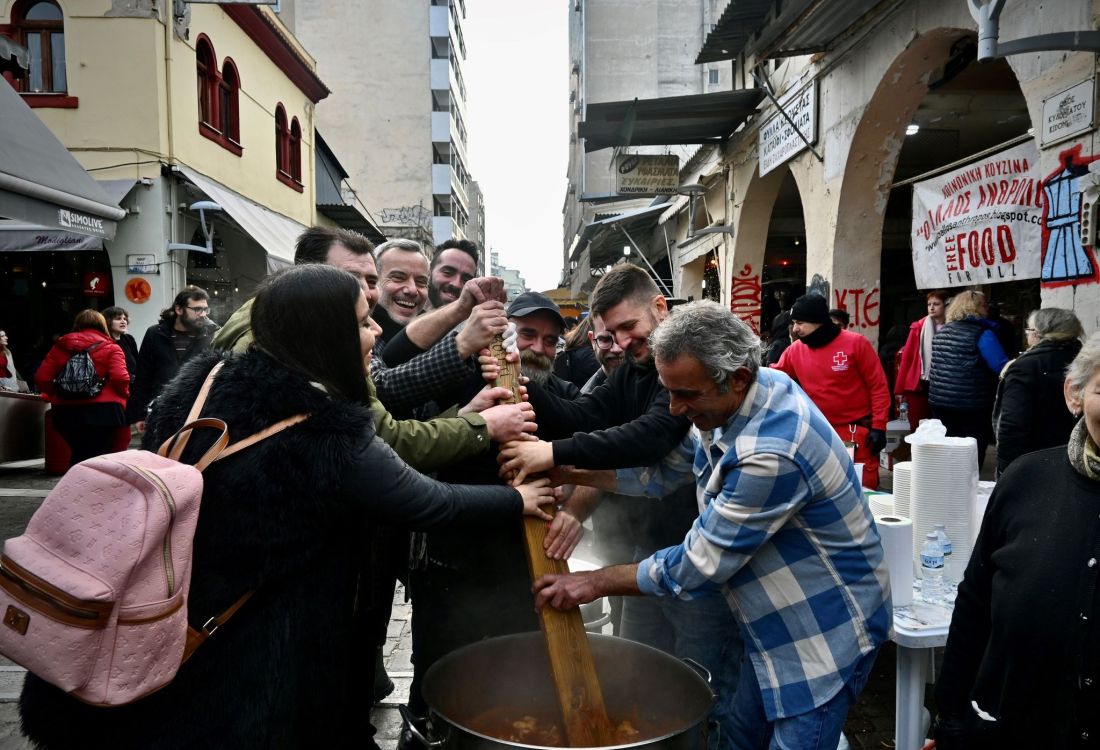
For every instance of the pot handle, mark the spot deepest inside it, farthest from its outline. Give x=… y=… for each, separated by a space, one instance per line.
x=703 y=671
x=407 y=720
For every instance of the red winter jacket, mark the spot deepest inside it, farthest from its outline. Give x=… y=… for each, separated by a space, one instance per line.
x=108 y=359
x=908 y=377
x=844 y=379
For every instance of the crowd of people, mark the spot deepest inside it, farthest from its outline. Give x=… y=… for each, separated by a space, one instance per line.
x=719 y=476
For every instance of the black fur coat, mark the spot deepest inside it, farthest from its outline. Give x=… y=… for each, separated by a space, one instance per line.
x=285 y=519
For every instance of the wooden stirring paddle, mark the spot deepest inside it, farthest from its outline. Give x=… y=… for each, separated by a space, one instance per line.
x=571 y=666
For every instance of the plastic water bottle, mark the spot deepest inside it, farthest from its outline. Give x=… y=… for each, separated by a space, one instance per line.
x=945 y=543
x=931 y=566
x=903 y=410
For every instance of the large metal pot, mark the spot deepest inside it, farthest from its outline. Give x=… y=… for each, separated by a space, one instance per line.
x=662 y=693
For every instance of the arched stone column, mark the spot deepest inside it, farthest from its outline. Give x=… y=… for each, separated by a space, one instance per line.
x=852 y=269
x=745 y=259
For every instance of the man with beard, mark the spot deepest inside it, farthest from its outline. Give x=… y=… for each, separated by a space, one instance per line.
x=473 y=584
x=454 y=263
x=183 y=331
x=624 y=423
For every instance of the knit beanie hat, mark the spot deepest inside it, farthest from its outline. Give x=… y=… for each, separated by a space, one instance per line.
x=810 y=308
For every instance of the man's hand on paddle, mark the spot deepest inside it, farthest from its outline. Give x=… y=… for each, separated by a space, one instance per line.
x=525 y=459
x=567 y=591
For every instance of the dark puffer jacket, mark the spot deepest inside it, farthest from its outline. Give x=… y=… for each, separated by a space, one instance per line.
x=1030 y=413
x=285 y=519
x=959 y=377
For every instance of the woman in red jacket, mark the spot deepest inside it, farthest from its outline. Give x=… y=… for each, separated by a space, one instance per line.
x=87 y=424
x=916 y=358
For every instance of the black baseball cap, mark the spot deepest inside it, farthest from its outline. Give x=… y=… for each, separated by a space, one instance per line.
x=531 y=302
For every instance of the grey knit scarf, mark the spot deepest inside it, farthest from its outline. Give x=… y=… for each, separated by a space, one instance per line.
x=1083 y=453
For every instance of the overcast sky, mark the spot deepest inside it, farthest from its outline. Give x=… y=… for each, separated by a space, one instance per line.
x=517 y=80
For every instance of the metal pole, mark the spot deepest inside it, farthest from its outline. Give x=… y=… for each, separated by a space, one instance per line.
x=763 y=84
x=645 y=260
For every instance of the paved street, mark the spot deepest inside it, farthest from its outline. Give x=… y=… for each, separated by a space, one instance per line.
x=870 y=723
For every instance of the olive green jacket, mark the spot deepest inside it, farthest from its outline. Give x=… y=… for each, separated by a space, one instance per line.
x=425 y=446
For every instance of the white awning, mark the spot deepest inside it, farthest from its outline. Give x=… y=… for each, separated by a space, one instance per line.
x=275 y=233
x=697 y=248
x=40 y=181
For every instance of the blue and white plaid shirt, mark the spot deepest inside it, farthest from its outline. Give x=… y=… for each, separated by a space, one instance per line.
x=785 y=531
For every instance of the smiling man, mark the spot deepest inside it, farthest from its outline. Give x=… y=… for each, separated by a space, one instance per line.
x=403 y=284
x=454 y=263
x=784 y=533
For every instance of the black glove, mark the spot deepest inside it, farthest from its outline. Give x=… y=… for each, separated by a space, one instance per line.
x=876 y=441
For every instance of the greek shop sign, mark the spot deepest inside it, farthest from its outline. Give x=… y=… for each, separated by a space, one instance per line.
x=980 y=224
x=643 y=174
x=778 y=141
x=1069 y=113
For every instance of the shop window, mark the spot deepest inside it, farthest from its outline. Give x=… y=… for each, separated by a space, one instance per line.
x=39 y=25
x=218 y=97
x=288 y=150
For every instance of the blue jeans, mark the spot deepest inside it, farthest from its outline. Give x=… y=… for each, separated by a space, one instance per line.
x=703 y=629
x=818 y=729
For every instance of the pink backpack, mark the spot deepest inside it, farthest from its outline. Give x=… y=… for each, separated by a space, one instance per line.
x=94 y=594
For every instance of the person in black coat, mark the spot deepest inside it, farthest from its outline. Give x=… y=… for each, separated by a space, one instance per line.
x=184 y=330
x=1028 y=414
x=577 y=362
x=1022 y=668
x=780 y=339
x=118 y=323
x=283 y=519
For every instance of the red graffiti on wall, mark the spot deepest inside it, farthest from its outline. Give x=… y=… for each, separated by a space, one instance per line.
x=864 y=307
x=745 y=296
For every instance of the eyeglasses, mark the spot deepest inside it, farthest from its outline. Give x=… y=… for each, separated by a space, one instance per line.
x=199 y=310
x=605 y=340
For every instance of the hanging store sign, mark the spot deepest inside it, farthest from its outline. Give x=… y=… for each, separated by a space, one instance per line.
x=646 y=174
x=778 y=140
x=1069 y=113
x=980 y=224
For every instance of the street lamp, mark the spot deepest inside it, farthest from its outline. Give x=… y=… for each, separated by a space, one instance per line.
x=626 y=251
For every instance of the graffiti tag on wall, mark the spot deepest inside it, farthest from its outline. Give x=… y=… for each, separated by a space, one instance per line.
x=745 y=297
x=1065 y=261
x=861 y=304
x=408 y=216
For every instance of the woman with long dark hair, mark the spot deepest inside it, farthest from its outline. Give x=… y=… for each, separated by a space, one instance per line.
x=118 y=325
x=283 y=519
x=577 y=362
x=87 y=422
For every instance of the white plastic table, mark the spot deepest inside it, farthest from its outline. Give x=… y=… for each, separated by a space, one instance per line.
x=918 y=628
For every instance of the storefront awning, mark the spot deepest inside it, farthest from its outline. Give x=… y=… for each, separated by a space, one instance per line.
x=605 y=245
x=699 y=118
x=20 y=237
x=350 y=217
x=275 y=233
x=40 y=181
x=14 y=59
x=801 y=27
